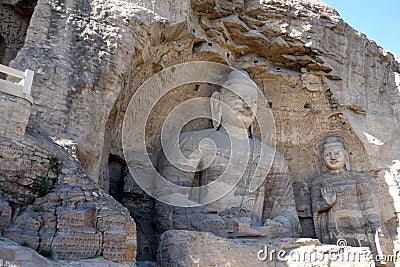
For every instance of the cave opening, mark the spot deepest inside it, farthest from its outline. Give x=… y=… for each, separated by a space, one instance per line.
x=15 y=17
x=2 y=48
x=116 y=172
x=124 y=189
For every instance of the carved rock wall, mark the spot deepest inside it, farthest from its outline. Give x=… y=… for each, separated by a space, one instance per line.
x=21 y=162
x=14 y=255
x=72 y=218
x=82 y=52
x=319 y=75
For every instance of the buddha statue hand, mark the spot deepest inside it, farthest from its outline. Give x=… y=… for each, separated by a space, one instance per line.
x=329 y=195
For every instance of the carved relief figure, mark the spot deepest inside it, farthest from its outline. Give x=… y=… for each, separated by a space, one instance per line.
x=343 y=202
x=269 y=211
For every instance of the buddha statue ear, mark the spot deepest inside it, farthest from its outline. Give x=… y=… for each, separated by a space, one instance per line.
x=347 y=159
x=216 y=109
x=346 y=156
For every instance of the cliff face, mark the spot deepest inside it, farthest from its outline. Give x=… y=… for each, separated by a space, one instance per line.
x=318 y=74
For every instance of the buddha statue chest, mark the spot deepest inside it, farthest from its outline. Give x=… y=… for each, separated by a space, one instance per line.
x=240 y=163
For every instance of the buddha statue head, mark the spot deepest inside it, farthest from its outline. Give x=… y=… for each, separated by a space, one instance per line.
x=334 y=154
x=235 y=107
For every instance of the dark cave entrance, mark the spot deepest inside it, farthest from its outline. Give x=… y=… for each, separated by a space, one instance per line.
x=123 y=188
x=116 y=172
x=3 y=47
x=15 y=17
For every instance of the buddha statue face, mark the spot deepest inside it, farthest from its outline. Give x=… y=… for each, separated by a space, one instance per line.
x=240 y=102
x=334 y=156
x=244 y=106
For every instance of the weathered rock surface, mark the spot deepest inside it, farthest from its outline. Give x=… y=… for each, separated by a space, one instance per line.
x=185 y=248
x=319 y=75
x=314 y=69
x=15 y=116
x=14 y=255
x=74 y=220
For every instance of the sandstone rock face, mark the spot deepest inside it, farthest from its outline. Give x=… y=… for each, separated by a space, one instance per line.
x=319 y=75
x=5 y=215
x=14 y=255
x=15 y=116
x=22 y=161
x=72 y=89
x=185 y=248
x=73 y=219
x=291 y=49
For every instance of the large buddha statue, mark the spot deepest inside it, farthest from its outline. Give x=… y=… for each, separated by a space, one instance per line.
x=268 y=211
x=343 y=201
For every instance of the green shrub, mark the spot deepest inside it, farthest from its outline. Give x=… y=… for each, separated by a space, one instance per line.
x=46 y=252
x=43 y=184
x=37 y=208
x=26 y=244
x=55 y=165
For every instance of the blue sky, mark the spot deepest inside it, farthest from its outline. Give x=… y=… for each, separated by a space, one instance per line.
x=379 y=20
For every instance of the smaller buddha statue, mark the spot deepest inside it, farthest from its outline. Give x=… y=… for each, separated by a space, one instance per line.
x=343 y=201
